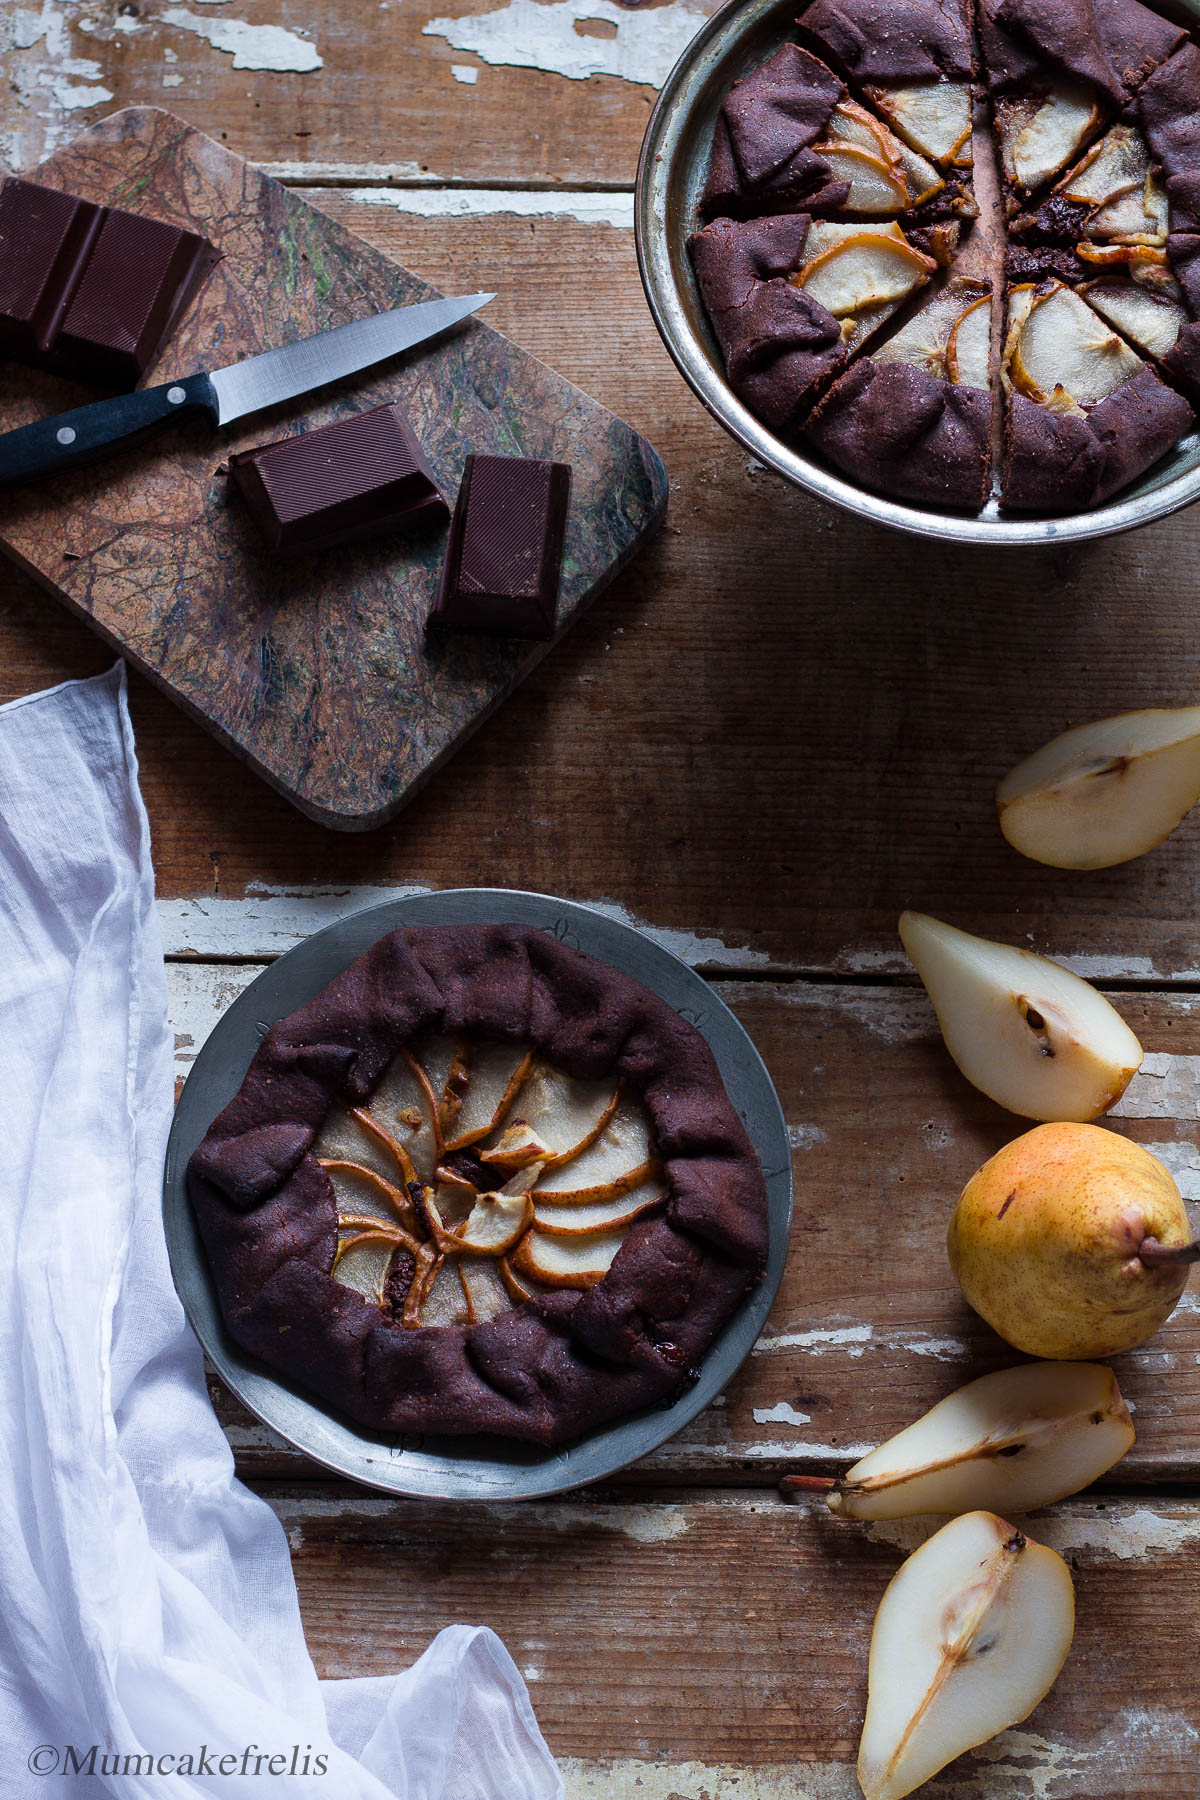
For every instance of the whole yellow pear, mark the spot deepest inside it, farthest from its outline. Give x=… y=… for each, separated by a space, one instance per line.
x=1072 y=1242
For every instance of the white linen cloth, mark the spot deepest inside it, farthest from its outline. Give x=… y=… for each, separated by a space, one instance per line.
x=147 y=1604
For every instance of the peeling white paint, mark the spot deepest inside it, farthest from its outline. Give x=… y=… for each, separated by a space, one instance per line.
x=782 y=1414
x=465 y=72
x=343 y=172
x=647 y=1524
x=478 y=203
x=1182 y=1158
x=251 y=46
x=527 y=35
x=851 y=1338
x=804 y=1137
x=172 y=81
x=1165 y=1087
x=1122 y=1534
x=74 y=99
x=269 y=920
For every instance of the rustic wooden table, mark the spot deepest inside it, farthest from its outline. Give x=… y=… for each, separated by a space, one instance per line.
x=778 y=729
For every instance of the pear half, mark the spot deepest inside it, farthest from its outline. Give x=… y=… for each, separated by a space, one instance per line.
x=1018 y=1438
x=1023 y=1030
x=969 y=1637
x=1104 y=793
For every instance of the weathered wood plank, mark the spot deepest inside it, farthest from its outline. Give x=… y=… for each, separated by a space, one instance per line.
x=356 y=82
x=869 y=1328
x=769 y=691
x=747 y=1643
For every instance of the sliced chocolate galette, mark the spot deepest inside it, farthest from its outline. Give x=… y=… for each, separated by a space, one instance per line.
x=1095 y=111
x=481 y=1183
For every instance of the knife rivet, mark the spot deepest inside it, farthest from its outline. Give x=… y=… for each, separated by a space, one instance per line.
x=175 y=395
x=65 y=435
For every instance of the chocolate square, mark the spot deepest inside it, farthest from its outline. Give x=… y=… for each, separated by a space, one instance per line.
x=504 y=558
x=91 y=291
x=45 y=239
x=357 y=478
x=134 y=286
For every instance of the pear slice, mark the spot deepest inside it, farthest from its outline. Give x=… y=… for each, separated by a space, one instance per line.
x=587 y=1217
x=1040 y=133
x=403 y=1106
x=1019 y=1438
x=917 y=179
x=1023 y=1030
x=562 y=1115
x=875 y=186
x=517 y=1146
x=1116 y=180
x=1104 y=793
x=1152 y=321
x=969 y=1637
x=866 y=269
x=933 y=117
x=495 y=1222
x=923 y=342
x=969 y=347
x=486 y=1295
x=568 y=1262
x=353 y=1137
x=363 y=1265
x=496 y=1074
x=1062 y=346
x=360 y=1190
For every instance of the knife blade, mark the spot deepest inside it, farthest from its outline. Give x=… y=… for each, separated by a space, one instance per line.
x=69 y=439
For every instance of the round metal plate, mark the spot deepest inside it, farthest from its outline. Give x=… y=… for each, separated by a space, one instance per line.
x=671 y=177
x=465 y=1468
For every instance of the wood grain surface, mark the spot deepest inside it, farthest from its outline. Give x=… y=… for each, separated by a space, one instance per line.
x=773 y=732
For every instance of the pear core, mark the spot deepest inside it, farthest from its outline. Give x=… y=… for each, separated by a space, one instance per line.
x=1048 y=1237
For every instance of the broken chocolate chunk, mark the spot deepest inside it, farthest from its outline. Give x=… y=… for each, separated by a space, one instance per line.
x=357 y=478
x=91 y=291
x=504 y=558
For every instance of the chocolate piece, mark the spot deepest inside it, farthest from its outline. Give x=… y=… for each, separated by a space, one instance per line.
x=1059 y=462
x=91 y=291
x=907 y=433
x=1057 y=221
x=561 y=1362
x=45 y=239
x=1112 y=44
x=1041 y=262
x=1169 y=106
x=762 y=160
x=357 y=478
x=503 y=560
x=892 y=41
x=780 y=345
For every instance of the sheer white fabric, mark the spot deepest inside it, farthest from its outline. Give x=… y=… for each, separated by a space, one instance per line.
x=147 y=1604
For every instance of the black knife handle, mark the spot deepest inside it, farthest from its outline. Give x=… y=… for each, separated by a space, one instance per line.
x=71 y=438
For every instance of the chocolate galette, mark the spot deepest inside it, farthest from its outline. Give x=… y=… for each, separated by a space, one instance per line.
x=853 y=302
x=481 y=1183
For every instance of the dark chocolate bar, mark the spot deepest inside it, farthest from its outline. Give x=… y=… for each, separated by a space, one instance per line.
x=504 y=557
x=91 y=291
x=358 y=478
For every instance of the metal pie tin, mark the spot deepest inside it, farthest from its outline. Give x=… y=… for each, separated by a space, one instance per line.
x=671 y=176
x=474 y=1468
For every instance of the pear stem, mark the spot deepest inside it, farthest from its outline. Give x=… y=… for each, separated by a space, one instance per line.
x=1160 y=1256
x=807 y=1484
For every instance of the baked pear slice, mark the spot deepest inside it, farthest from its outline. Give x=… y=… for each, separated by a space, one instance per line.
x=1123 y=192
x=1019 y=1438
x=1061 y=354
x=1025 y=1031
x=933 y=338
x=1043 y=130
x=1150 y=318
x=933 y=117
x=969 y=1637
x=1104 y=793
x=861 y=274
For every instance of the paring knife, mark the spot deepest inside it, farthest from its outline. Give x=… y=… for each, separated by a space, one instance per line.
x=85 y=433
